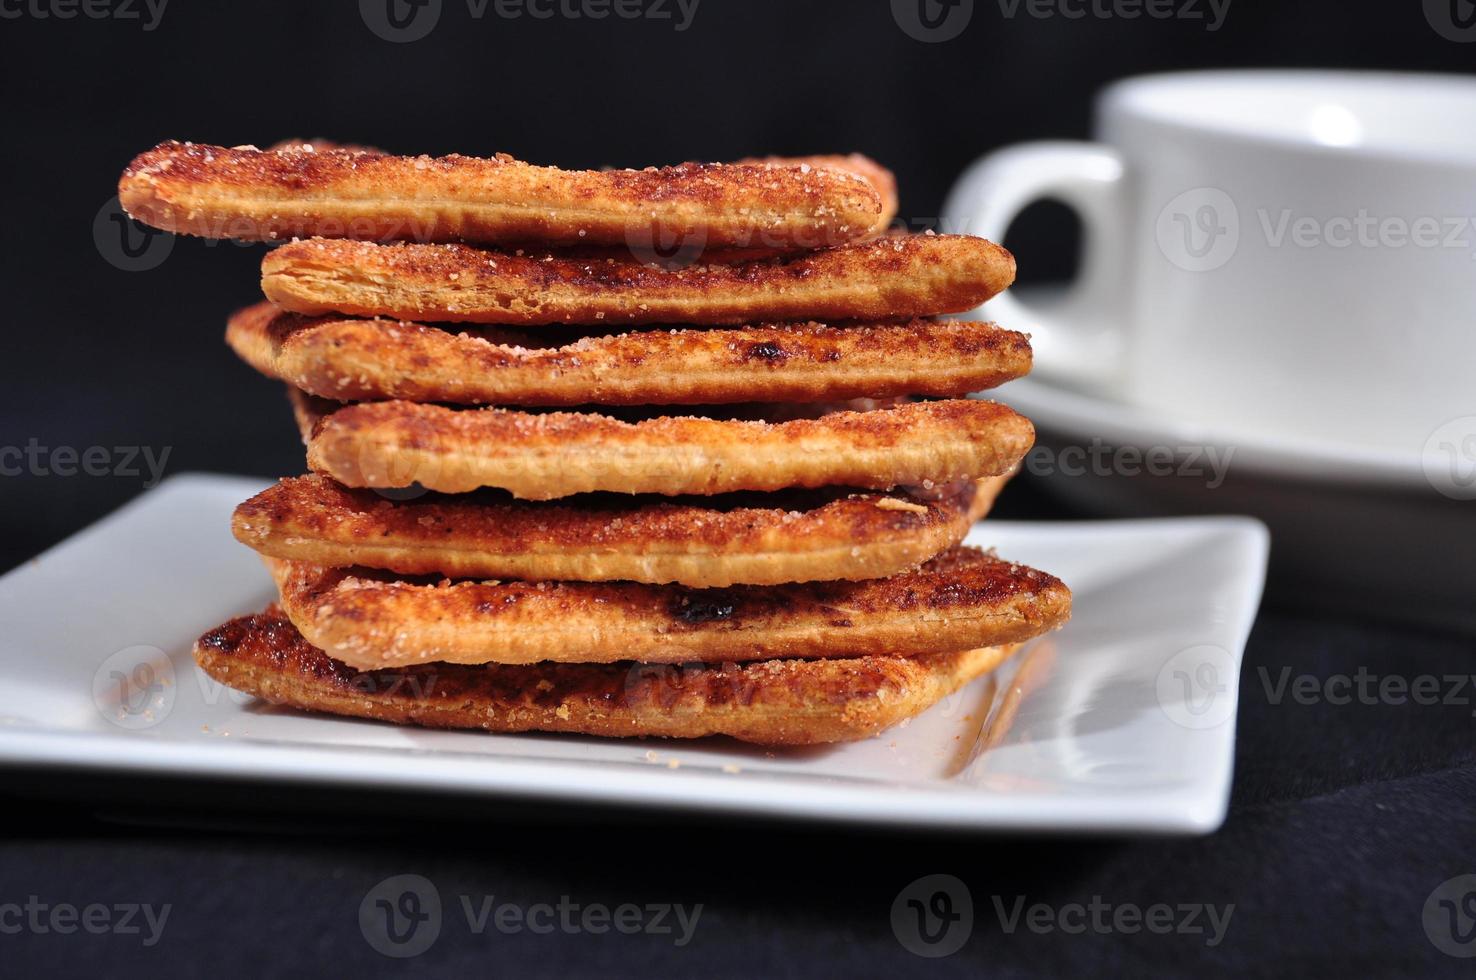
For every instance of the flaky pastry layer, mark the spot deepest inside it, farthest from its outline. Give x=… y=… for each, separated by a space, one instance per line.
x=754 y=540
x=543 y=456
x=774 y=702
x=297 y=191
x=962 y=599
x=354 y=359
x=889 y=278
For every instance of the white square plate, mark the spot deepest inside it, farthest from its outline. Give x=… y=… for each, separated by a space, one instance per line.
x=1122 y=722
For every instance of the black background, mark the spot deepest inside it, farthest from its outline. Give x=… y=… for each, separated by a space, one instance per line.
x=1344 y=818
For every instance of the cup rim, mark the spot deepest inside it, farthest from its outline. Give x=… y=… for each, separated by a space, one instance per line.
x=1125 y=97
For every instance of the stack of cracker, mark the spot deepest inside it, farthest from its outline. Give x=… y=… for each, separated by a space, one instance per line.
x=680 y=451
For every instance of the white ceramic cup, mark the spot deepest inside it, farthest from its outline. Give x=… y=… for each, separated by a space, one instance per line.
x=1290 y=253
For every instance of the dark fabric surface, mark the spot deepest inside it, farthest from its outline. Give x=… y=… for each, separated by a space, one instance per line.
x=1345 y=818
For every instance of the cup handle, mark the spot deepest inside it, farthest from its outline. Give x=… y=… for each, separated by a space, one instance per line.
x=1080 y=336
